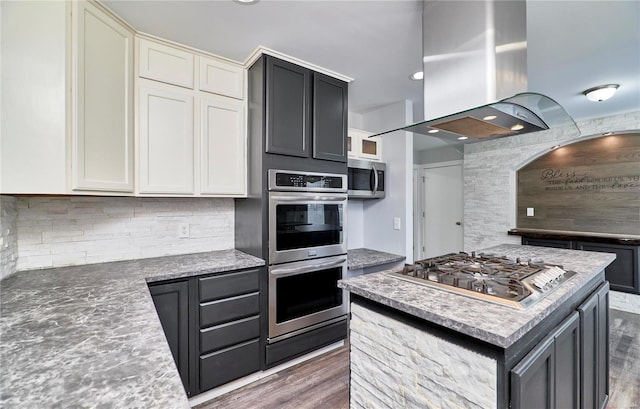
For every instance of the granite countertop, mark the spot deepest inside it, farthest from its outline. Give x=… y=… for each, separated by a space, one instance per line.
x=500 y=325
x=573 y=235
x=89 y=336
x=363 y=258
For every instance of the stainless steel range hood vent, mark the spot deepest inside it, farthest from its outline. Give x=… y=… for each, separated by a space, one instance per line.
x=475 y=54
x=523 y=113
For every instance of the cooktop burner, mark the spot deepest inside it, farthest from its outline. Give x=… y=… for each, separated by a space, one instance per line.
x=517 y=284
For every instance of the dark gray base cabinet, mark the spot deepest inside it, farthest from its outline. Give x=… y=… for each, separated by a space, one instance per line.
x=212 y=325
x=623 y=274
x=568 y=369
x=172 y=305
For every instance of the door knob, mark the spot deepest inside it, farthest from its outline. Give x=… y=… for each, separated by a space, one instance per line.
x=458 y=223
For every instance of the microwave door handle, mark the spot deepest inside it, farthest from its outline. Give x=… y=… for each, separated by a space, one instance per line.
x=375 y=178
x=306 y=269
x=311 y=198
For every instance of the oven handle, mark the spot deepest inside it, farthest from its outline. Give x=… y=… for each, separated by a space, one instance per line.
x=311 y=198
x=301 y=270
x=375 y=178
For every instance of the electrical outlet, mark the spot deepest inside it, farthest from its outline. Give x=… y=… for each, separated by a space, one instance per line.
x=183 y=230
x=530 y=211
x=396 y=223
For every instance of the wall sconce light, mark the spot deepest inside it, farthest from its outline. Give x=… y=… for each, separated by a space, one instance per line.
x=601 y=92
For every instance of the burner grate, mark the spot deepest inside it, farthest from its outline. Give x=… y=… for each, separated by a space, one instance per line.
x=495 y=278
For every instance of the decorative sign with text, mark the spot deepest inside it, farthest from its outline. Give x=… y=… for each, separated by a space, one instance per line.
x=588 y=186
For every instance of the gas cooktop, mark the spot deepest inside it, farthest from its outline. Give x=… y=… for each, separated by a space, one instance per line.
x=514 y=283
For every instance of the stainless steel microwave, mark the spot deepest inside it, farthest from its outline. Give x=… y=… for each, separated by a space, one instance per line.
x=366 y=179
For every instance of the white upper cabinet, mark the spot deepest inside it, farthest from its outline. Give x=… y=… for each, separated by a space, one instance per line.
x=89 y=107
x=67 y=108
x=221 y=77
x=102 y=134
x=361 y=145
x=223 y=152
x=34 y=99
x=165 y=141
x=166 y=64
x=190 y=141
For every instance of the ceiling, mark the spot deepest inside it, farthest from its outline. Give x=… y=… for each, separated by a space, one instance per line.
x=378 y=43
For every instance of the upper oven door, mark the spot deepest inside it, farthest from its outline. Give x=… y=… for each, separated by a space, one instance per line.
x=306 y=225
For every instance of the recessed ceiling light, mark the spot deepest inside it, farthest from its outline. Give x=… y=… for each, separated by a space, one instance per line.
x=433 y=130
x=462 y=138
x=601 y=92
x=517 y=127
x=246 y=2
x=554 y=147
x=607 y=133
x=417 y=76
x=489 y=118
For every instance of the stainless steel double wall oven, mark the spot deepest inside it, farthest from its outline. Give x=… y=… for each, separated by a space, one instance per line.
x=307 y=214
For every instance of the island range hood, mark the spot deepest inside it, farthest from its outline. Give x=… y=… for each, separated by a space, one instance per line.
x=523 y=113
x=475 y=55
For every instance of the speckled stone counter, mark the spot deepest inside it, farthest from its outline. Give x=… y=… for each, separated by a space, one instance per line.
x=500 y=325
x=363 y=258
x=89 y=336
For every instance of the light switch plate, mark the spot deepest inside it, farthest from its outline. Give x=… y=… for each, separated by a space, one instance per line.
x=396 y=223
x=530 y=211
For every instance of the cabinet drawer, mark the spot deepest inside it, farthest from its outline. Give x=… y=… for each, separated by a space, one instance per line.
x=228 y=285
x=167 y=64
x=222 y=336
x=218 y=312
x=229 y=364
x=221 y=77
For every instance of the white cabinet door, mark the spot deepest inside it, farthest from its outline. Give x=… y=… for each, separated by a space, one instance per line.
x=34 y=97
x=166 y=64
x=102 y=133
x=165 y=141
x=221 y=77
x=223 y=146
x=361 y=146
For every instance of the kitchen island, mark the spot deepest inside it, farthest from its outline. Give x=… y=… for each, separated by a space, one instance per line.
x=89 y=336
x=440 y=349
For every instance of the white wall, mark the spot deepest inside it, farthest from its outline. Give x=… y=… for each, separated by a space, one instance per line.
x=444 y=154
x=489 y=177
x=355 y=224
x=55 y=231
x=377 y=215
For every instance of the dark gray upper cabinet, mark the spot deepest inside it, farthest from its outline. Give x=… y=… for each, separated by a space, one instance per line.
x=288 y=108
x=306 y=112
x=329 y=118
x=172 y=304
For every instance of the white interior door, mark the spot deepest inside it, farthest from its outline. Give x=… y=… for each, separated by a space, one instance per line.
x=443 y=210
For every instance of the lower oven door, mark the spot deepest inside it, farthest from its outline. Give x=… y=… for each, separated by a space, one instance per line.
x=303 y=294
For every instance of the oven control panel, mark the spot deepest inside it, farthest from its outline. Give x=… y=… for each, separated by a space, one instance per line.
x=286 y=180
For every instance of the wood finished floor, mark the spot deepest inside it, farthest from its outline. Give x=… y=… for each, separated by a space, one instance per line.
x=624 y=360
x=323 y=382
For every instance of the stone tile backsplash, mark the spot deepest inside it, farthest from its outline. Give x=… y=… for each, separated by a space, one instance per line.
x=8 y=235
x=490 y=177
x=72 y=230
